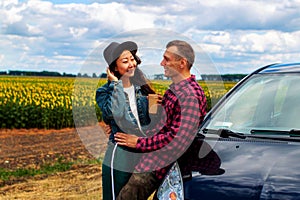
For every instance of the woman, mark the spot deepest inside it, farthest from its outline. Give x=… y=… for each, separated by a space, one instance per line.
x=124 y=105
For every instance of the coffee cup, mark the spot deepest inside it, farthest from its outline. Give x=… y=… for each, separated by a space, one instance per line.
x=153 y=98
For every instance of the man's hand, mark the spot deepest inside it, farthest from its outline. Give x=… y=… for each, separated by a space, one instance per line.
x=126 y=139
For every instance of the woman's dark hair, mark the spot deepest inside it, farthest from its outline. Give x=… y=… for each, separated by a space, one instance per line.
x=139 y=77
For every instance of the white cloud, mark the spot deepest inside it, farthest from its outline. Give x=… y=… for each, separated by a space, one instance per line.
x=243 y=50
x=1 y=57
x=10 y=11
x=33 y=30
x=218 y=37
x=119 y=17
x=5 y=3
x=232 y=32
x=213 y=49
x=245 y=15
x=78 y=32
x=291 y=41
x=41 y=7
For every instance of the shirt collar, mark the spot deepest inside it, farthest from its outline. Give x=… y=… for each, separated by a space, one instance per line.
x=182 y=83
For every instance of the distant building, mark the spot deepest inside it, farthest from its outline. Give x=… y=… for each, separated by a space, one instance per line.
x=222 y=77
x=158 y=76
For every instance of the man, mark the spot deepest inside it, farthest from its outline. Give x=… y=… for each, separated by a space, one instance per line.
x=184 y=104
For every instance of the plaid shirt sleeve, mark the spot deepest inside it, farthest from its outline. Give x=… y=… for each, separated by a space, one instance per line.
x=182 y=123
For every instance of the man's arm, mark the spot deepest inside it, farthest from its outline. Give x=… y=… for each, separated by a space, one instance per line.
x=125 y=139
x=184 y=126
x=179 y=132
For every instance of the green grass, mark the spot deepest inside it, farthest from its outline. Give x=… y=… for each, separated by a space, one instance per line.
x=7 y=174
x=59 y=166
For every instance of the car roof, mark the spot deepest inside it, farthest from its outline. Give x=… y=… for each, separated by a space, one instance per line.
x=280 y=68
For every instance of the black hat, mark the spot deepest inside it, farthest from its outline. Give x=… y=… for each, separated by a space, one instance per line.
x=114 y=50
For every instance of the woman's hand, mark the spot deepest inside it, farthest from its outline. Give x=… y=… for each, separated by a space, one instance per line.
x=110 y=75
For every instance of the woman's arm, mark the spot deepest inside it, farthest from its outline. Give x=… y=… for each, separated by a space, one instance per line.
x=103 y=99
x=111 y=100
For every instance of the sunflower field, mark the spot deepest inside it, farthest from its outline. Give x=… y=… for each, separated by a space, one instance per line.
x=59 y=102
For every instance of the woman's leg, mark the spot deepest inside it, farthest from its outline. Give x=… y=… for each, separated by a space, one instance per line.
x=106 y=183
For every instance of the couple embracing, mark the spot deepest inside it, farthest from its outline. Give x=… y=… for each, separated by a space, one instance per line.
x=143 y=146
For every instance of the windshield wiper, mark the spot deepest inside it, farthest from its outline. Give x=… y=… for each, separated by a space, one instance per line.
x=291 y=133
x=224 y=133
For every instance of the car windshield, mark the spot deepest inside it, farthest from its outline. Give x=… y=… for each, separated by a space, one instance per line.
x=264 y=102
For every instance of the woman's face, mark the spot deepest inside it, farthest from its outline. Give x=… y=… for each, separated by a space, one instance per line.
x=126 y=64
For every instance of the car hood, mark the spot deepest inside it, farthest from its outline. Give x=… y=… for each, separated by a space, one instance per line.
x=253 y=170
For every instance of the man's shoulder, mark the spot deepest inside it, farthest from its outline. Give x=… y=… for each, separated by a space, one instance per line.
x=191 y=88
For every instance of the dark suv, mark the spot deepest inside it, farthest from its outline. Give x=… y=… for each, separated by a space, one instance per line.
x=251 y=140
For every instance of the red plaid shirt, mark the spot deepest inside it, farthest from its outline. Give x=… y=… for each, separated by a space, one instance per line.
x=184 y=104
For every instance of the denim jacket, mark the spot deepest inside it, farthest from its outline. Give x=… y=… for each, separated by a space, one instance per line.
x=116 y=112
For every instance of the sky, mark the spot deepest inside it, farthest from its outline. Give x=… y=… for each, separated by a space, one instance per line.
x=68 y=36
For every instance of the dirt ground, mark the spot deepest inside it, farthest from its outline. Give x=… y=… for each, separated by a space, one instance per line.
x=32 y=148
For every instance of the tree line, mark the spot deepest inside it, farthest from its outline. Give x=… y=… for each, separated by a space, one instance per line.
x=35 y=73
x=205 y=77
x=223 y=77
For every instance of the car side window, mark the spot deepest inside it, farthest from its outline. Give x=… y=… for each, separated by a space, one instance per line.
x=288 y=105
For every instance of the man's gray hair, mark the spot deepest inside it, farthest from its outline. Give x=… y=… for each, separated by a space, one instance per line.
x=184 y=50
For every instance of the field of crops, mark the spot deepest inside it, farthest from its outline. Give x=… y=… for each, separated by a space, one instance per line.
x=52 y=102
